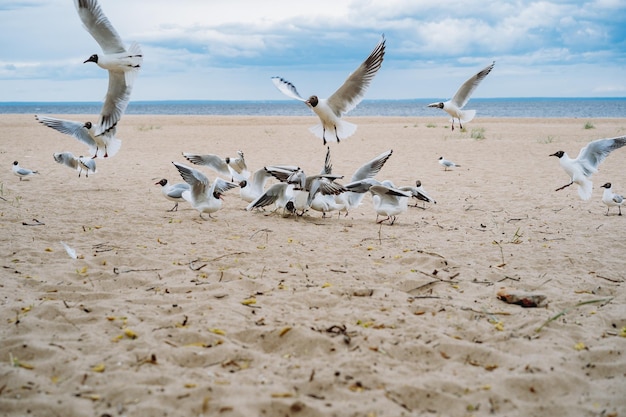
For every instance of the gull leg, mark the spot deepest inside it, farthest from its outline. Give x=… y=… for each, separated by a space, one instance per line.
x=620 y=210
x=175 y=208
x=565 y=186
x=336 y=135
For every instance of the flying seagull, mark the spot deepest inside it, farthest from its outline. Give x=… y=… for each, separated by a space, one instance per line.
x=104 y=145
x=586 y=163
x=122 y=63
x=346 y=98
x=454 y=106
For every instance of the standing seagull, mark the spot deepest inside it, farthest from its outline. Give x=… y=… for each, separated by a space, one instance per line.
x=122 y=64
x=447 y=164
x=203 y=196
x=586 y=163
x=173 y=192
x=104 y=145
x=611 y=199
x=22 y=172
x=455 y=105
x=346 y=98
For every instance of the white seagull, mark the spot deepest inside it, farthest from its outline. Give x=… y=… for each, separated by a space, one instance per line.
x=233 y=168
x=447 y=164
x=369 y=170
x=173 y=192
x=121 y=63
x=454 y=106
x=346 y=98
x=418 y=193
x=204 y=196
x=611 y=199
x=79 y=164
x=281 y=195
x=22 y=172
x=104 y=145
x=586 y=163
x=389 y=201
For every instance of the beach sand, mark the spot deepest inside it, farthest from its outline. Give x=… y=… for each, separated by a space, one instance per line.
x=256 y=314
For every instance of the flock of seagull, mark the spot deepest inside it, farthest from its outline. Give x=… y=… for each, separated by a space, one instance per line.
x=295 y=192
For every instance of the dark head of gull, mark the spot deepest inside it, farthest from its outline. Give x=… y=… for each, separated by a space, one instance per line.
x=15 y=162
x=162 y=183
x=243 y=184
x=438 y=105
x=93 y=58
x=87 y=125
x=312 y=101
x=607 y=185
x=558 y=154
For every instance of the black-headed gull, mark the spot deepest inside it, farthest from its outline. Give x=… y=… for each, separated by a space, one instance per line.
x=611 y=199
x=173 y=192
x=454 y=106
x=346 y=98
x=121 y=63
x=370 y=169
x=281 y=195
x=103 y=146
x=204 y=196
x=389 y=201
x=418 y=192
x=586 y=163
x=233 y=168
x=21 y=171
x=447 y=164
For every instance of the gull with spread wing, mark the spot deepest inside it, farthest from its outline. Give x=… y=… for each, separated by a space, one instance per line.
x=586 y=163
x=454 y=106
x=122 y=63
x=346 y=98
x=204 y=196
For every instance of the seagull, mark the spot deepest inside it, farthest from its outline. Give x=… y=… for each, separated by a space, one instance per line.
x=586 y=163
x=121 y=63
x=455 y=105
x=346 y=98
x=80 y=164
x=104 y=145
x=447 y=164
x=22 y=172
x=233 y=168
x=173 y=192
x=389 y=201
x=204 y=196
x=611 y=199
x=281 y=195
x=418 y=192
x=370 y=169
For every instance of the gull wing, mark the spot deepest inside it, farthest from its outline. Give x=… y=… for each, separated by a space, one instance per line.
x=69 y=127
x=596 y=151
x=197 y=180
x=214 y=162
x=464 y=93
x=371 y=168
x=98 y=26
x=353 y=89
x=115 y=102
x=287 y=88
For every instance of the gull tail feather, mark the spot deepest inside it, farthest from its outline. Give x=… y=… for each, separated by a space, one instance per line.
x=344 y=131
x=467 y=116
x=585 y=188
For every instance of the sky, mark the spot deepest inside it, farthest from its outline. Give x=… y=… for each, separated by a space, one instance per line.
x=229 y=50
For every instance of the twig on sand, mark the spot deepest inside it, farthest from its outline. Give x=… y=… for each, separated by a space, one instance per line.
x=118 y=271
x=567 y=310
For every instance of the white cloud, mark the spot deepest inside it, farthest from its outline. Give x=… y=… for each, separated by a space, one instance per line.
x=220 y=50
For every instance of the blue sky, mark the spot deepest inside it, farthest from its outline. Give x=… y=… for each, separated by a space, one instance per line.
x=228 y=50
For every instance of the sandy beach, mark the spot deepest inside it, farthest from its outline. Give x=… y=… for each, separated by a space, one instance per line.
x=257 y=314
